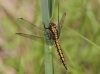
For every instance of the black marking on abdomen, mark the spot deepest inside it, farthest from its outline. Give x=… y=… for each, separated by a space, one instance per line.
x=60 y=53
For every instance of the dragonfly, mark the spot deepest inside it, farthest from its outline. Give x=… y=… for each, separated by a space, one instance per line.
x=53 y=34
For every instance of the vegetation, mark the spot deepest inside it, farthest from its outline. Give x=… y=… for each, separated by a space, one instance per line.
x=79 y=37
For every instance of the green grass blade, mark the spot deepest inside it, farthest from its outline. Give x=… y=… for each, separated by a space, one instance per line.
x=84 y=38
x=46 y=9
x=50 y=6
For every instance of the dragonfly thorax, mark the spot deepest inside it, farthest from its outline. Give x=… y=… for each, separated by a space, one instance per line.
x=53 y=31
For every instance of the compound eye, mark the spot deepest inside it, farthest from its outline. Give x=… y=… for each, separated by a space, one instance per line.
x=54 y=26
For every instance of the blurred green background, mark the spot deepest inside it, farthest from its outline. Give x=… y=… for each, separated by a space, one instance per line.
x=79 y=37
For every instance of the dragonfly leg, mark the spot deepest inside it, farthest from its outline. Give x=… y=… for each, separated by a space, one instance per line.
x=47 y=34
x=44 y=26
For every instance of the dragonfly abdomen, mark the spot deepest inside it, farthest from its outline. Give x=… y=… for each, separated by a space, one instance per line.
x=59 y=50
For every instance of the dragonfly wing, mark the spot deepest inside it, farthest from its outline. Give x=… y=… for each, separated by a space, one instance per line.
x=29 y=25
x=36 y=38
x=60 y=23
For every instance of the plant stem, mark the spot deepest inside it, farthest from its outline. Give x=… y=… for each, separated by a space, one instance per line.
x=47 y=9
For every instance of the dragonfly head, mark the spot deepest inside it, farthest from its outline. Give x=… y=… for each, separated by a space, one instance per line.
x=53 y=25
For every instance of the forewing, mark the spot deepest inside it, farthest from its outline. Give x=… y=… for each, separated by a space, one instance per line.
x=36 y=38
x=60 y=23
x=29 y=26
